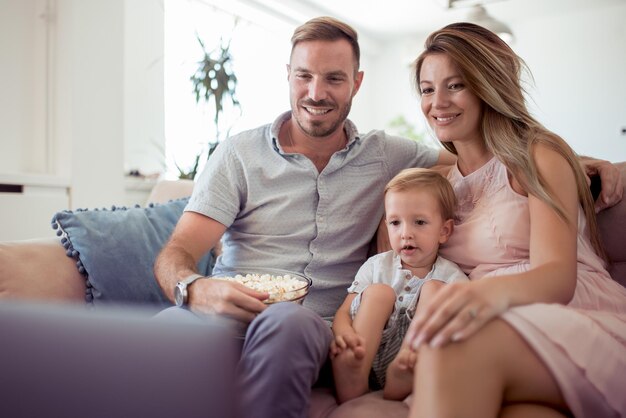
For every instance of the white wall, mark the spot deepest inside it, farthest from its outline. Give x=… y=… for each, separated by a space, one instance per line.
x=91 y=102
x=144 y=136
x=388 y=76
x=110 y=95
x=107 y=113
x=578 y=61
x=580 y=77
x=22 y=83
x=364 y=105
x=83 y=95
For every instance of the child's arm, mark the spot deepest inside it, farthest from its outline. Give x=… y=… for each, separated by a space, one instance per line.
x=345 y=336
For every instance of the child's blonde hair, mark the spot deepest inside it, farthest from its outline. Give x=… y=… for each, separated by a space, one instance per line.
x=423 y=178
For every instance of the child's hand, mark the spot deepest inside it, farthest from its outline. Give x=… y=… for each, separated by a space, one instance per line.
x=351 y=341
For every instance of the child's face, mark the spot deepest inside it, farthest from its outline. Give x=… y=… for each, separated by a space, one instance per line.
x=415 y=226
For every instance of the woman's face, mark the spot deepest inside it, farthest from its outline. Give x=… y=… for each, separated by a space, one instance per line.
x=452 y=110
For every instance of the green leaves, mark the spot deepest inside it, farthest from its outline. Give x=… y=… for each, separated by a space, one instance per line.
x=193 y=171
x=215 y=79
x=213 y=82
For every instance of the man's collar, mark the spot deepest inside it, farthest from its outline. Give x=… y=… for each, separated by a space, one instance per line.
x=350 y=128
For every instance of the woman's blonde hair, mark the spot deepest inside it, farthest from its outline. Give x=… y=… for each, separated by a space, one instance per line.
x=426 y=179
x=492 y=71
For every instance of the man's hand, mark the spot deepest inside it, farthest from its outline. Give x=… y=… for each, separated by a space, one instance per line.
x=612 y=187
x=220 y=297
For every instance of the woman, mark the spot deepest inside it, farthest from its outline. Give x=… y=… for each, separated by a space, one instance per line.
x=540 y=329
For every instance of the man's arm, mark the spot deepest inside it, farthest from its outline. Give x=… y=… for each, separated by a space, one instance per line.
x=194 y=236
x=612 y=188
x=446 y=158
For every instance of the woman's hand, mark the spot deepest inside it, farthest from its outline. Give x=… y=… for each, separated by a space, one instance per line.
x=455 y=312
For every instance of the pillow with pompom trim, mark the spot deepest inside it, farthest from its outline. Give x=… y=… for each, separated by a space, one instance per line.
x=115 y=250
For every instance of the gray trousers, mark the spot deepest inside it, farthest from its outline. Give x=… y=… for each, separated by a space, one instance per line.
x=282 y=354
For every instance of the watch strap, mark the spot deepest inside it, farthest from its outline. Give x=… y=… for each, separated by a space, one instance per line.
x=191 y=278
x=181 y=293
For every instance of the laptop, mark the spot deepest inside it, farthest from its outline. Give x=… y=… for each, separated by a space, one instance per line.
x=68 y=361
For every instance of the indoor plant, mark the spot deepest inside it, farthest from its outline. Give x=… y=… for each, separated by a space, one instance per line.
x=214 y=85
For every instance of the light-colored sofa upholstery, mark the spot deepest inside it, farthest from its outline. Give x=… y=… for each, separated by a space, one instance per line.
x=40 y=270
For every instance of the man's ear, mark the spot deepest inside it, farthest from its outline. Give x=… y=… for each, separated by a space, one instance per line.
x=288 y=71
x=446 y=231
x=358 y=79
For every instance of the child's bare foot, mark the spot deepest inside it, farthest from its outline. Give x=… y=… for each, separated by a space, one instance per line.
x=351 y=376
x=399 y=382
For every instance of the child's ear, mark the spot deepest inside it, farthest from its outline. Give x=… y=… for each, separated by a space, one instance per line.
x=446 y=231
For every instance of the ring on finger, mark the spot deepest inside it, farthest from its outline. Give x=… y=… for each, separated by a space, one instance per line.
x=473 y=313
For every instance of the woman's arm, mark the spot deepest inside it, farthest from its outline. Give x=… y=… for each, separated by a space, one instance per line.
x=553 y=240
x=460 y=309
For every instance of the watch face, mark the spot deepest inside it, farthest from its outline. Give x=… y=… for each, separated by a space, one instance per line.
x=179 y=298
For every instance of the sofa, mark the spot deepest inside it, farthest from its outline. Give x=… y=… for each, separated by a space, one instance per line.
x=48 y=270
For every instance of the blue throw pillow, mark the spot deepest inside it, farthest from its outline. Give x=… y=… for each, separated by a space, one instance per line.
x=115 y=250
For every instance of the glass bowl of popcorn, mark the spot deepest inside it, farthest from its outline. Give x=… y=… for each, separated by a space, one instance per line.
x=282 y=285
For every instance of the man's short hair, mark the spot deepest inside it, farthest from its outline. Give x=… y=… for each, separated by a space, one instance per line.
x=327 y=28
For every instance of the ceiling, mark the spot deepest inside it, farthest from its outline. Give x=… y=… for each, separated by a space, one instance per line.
x=383 y=19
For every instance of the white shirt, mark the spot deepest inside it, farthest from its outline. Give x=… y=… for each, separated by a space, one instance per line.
x=387 y=268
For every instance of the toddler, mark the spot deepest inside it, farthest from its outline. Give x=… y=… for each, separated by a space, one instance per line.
x=371 y=323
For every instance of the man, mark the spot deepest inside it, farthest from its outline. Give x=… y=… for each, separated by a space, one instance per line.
x=302 y=194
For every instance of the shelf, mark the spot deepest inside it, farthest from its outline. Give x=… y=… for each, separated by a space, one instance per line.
x=27 y=179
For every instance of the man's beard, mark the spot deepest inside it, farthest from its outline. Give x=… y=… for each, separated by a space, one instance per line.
x=317 y=129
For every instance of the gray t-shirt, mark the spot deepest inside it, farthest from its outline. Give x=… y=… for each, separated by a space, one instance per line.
x=281 y=213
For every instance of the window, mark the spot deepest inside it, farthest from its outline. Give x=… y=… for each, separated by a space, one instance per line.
x=260 y=46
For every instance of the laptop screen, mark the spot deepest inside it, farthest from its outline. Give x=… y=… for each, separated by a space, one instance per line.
x=67 y=361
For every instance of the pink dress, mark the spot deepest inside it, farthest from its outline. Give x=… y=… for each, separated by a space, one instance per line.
x=582 y=343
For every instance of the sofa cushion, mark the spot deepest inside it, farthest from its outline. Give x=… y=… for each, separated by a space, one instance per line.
x=115 y=250
x=612 y=226
x=38 y=270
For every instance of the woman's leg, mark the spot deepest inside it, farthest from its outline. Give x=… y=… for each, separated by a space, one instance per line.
x=473 y=378
x=526 y=410
x=351 y=368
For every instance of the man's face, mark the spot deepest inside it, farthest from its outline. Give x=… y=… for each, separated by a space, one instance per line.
x=323 y=79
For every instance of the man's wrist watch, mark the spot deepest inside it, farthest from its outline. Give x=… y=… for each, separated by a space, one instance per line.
x=181 y=295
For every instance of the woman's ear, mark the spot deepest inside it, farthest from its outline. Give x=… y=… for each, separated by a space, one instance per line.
x=446 y=231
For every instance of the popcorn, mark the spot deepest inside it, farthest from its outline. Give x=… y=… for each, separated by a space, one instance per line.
x=280 y=288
